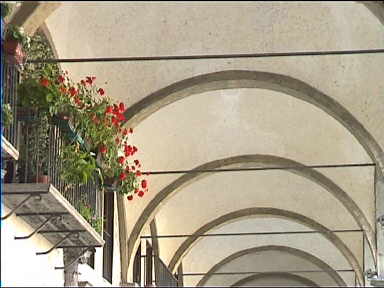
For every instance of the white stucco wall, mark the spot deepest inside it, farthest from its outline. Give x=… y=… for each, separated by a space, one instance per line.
x=20 y=266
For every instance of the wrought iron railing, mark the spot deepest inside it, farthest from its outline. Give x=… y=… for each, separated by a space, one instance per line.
x=10 y=81
x=40 y=161
x=163 y=276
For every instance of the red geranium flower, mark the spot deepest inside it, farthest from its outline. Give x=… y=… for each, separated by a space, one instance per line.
x=144 y=184
x=61 y=79
x=130 y=197
x=115 y=121
x=138 y=173
x=109 y=109
x=121 y=107
x=115 y=109
x=141 y=193
x=136 y=162
x=90 y=80
x=78 y=101
x=122 y=176
x=121 y=117
x=135 y=149
x=44 y=82
x=103 y=149
x=101 y=91
x=72 y=91
x=125 y=132
x=121 y=160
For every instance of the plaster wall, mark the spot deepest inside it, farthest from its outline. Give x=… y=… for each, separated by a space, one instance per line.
x=20 y=266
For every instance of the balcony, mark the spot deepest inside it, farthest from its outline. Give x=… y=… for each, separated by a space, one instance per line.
x=34 y=188
x=10 y=79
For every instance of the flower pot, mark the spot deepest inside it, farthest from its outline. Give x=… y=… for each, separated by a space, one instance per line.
x=43 y=179
x=14 y=50
x=12 y=47
x=39 y=179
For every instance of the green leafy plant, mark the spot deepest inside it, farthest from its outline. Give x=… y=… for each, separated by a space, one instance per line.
x=7 y=115
x=95 y=122
x=17 y=33
x=77 y=166
x=6 y=9
x=88 y=213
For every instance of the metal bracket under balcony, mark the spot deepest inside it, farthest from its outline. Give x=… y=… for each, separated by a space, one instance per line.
x=7 y=149
x=49 y=214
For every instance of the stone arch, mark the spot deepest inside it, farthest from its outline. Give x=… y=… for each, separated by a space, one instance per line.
x=267 y=212
x=285 y=275
x=376 y=8
x=293 y=251
x=232 y=79
x=253 y=160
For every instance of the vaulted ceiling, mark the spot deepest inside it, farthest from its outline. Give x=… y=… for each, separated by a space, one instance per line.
x=239 y=113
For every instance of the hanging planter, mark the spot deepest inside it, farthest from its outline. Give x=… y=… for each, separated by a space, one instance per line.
x=97 y=143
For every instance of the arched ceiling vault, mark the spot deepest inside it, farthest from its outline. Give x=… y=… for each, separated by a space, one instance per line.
x=300 y=279
x=251 y=79
x=321 y=264
x=266 y=212
x=256 y=160
x=255 y=79
x=333 y=25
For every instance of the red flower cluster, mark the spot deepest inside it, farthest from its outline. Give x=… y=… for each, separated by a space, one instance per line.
x=111 y=138
x=44 y=82
x=117 y=113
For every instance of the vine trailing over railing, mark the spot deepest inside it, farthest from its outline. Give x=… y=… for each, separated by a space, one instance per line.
x=97 y=143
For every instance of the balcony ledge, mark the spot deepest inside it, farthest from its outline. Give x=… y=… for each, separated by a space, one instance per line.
x=46 y=202
x=7 y=149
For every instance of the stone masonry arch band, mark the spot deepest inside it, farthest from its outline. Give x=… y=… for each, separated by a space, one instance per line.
x=232 y=79
x=293 y=251
x=281 y=275
x=254 y=161
x=267 y=212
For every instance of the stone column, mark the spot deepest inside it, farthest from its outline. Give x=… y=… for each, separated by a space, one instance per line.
x=71 y=273
x=380 y=222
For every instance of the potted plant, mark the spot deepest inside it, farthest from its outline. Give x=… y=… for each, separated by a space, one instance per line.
x=77 y=166
x=96 y=143
x=15 y=41
x=34 y=147
x=7 y=115
x=89 y=214
x=6 y=9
